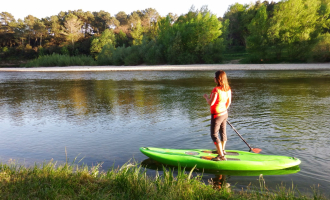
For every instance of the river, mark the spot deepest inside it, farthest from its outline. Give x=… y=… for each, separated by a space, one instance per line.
x=107 y=116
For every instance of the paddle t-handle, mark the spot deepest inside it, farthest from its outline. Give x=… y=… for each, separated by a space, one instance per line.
x=255 y=150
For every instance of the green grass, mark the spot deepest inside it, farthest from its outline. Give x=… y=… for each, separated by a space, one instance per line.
x=234 y=57
x=72 y=181
x=61 y=60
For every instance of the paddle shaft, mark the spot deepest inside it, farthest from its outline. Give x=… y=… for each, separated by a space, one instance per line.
x=239 y=135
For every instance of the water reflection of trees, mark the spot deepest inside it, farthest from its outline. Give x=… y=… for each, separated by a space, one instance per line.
x=268 y=102
x=82 y=98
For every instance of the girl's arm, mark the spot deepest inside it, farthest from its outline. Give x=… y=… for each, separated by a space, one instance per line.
x=228 y=100
x=211 y=100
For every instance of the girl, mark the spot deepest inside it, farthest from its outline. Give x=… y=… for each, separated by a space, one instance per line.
x=219 y=102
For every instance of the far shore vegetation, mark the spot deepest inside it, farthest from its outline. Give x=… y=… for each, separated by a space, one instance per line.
x=292 y=31
x=130 y=181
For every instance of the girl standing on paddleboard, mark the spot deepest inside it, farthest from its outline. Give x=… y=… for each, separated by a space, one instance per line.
x=219 y=102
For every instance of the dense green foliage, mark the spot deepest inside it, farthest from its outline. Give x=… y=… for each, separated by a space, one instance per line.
x=70 y=181
x=290 y=31
x=106 y=38
x=321 y=49
x=286 y=31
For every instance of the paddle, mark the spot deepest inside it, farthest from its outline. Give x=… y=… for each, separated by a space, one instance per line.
x=255 y=150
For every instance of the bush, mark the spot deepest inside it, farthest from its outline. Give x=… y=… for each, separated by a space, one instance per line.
x=61 y=60
x=213 y=52
x=105 y=56
x=4 y=49
x=118 y=56
x=132 y=56
x=152 y=53
x=83 y=45
x=321 y=49
x=65 y=50
x=41 y=51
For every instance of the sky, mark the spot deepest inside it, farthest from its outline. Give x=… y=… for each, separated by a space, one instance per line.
x=42 y=8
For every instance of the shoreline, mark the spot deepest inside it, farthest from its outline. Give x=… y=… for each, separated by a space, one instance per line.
x=195 y=67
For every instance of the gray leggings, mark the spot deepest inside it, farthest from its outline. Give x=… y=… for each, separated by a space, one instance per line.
x=218 y=125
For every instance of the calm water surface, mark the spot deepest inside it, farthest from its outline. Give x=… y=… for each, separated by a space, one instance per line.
x=107 y=116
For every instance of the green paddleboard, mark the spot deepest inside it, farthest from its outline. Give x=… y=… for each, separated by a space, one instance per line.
x=154 y=165
x=236 y=160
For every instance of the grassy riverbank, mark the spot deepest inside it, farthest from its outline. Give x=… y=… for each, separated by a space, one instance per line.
x=49 y=181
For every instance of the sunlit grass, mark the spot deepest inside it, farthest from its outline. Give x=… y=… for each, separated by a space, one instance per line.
x=72 y=181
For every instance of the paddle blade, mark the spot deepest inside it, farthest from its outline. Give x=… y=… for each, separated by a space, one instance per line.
x=256 y=150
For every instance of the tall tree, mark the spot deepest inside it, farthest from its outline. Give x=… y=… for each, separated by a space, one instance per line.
x=20 y=32
x=134 y=18
x=249 y=13
x=137 y=34
x=121 y=39
x=106 y=38
x=257 y=40
x=113 y=23
x=122 y=18
x=8 y=24
x=84 y=18
x=324 y=13
x=235 y=15
x=185 y=41
x=55 y=26
x=29 y=21
x=88 y=20
x=198 y=29
x=173 y=17
x=293 y=26
x=72 y=28
x=40 y=30
x=101 y=21
x=6 y=18
x=150 y=15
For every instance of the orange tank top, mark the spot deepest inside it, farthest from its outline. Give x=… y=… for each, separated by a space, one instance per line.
x=222 y=101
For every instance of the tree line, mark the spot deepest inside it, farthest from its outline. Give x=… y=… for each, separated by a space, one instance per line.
x=290 y=30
